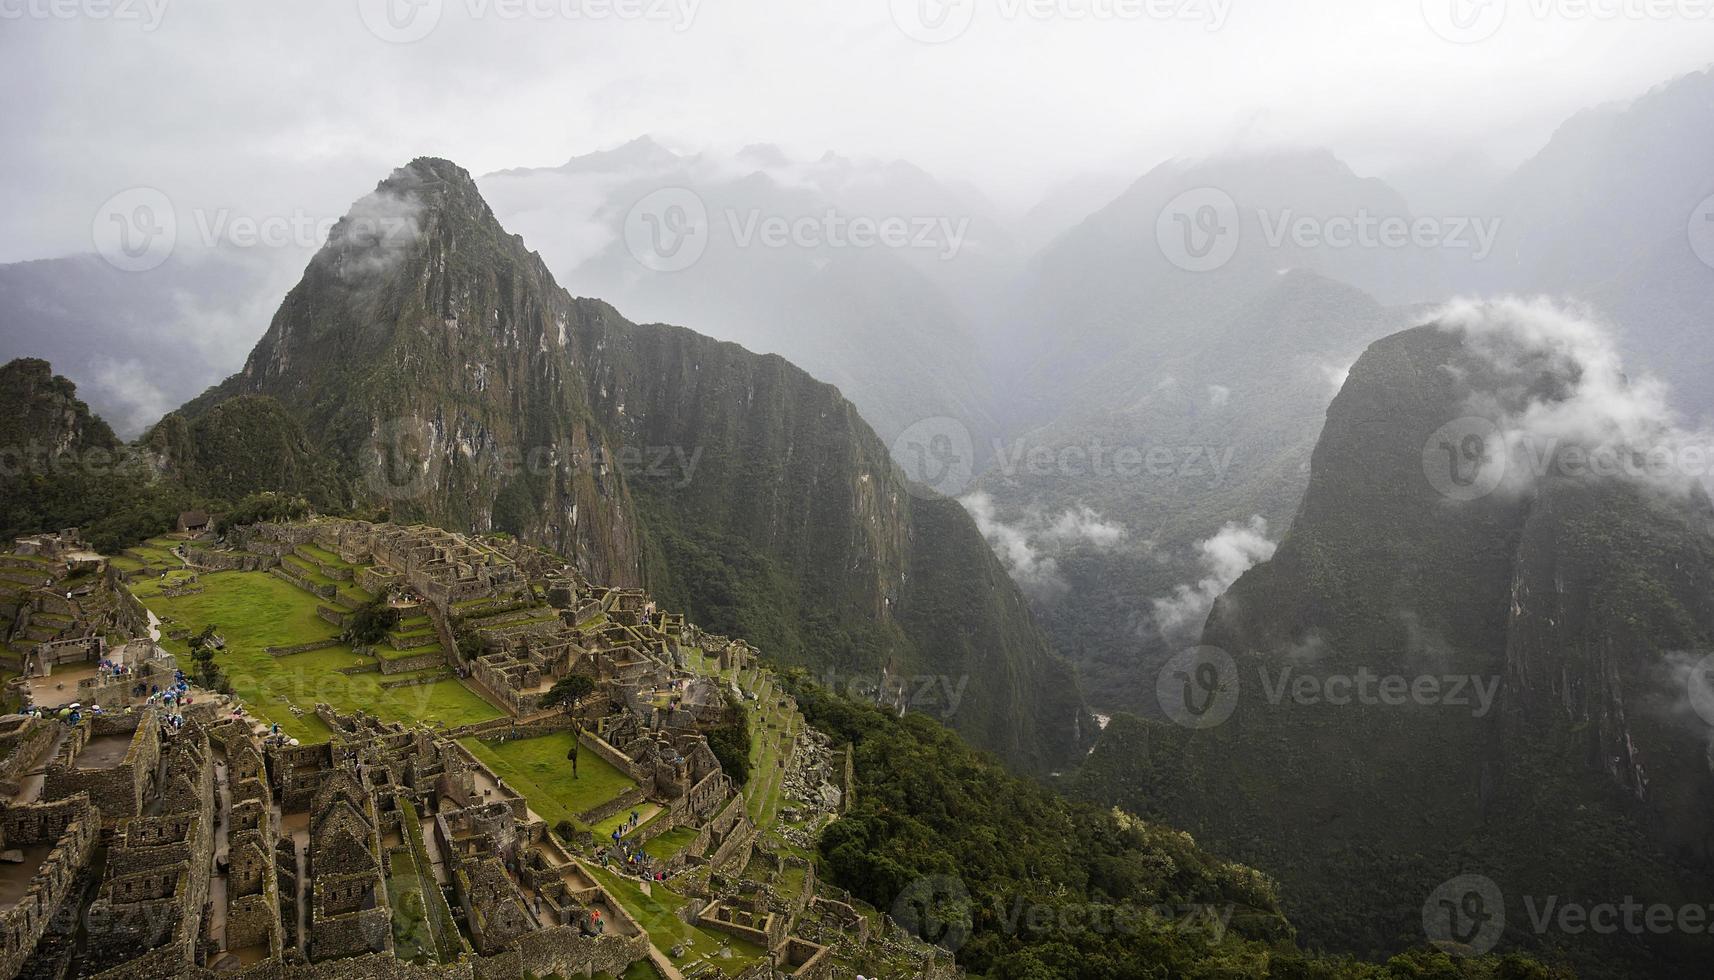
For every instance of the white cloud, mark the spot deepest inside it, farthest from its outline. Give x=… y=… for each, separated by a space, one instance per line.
x=1558 y=384
x=1234 y=550
x=1029 y=547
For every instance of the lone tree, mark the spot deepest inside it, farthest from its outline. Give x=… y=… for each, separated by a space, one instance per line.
x=371 y=624
x=202 y=654
x=566 y=692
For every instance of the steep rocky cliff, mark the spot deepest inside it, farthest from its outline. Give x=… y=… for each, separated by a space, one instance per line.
x=41 y=417
x=1538 y=630
x=433 y=356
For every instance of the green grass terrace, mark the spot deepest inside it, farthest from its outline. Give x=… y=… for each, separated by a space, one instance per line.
x=538 y=768
x=253 y=611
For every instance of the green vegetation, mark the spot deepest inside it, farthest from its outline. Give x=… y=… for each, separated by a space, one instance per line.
x=568 y=690
x=657 y=912
x=422 y=923
x=670 y=843
x=371 y=624
x=730 y=742
x=202 y=653
x=1037 y=886
x=538 y=768
x=256 y=611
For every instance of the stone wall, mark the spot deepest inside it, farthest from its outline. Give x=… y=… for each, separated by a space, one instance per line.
x=119 y=791
x=73 y=825
x=24 y=744
x=564 y=951
x=620 y=760
x=624 y=801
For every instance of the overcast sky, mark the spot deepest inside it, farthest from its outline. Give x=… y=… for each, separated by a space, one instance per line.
x=269 y=107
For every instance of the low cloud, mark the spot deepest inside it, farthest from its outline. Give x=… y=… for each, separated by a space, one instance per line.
x=376 y=233
x=1030 y=546
x=1234 y=550
x=1336 y=374
x=126 y=385
x=1557 y=381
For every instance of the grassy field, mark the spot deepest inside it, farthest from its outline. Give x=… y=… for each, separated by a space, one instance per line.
x=254 y=611
x=537 y=767
x=670 y=843
x=658 y=914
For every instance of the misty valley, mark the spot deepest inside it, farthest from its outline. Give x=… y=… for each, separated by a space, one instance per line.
x=1179 y=490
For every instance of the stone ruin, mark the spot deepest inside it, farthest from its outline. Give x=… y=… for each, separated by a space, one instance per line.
x=392 y=851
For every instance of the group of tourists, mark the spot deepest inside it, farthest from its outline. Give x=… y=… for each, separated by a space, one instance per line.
x=111 y=668
x=69 y=714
